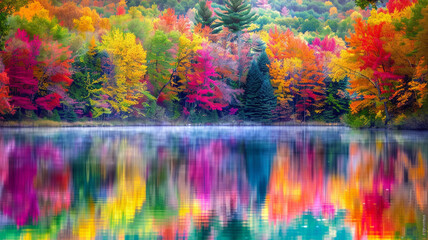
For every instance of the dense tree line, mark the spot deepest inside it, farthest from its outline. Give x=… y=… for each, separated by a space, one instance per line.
x=266 y=61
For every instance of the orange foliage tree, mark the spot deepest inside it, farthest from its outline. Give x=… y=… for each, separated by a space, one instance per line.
x=296 y=76
x=33 y=9
x=383 y=76
x=374 y=82
x=169 y=21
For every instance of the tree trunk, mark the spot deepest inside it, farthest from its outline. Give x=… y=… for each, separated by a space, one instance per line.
x=166 y=84
x=239 y=58
x=386 y=113
x=384 y=104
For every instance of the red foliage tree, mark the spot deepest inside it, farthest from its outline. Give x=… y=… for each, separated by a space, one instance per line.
x=38 y=71
x=120 y=10
x=49 y=102
x=20 y=58
x=398 y=5
x=202 y=90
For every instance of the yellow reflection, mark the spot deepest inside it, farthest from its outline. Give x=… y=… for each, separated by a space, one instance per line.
x=121 y=205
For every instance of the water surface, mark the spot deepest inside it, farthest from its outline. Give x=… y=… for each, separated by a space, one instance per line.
x=213 y=183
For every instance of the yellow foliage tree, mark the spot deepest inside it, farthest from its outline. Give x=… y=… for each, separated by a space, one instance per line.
x=84 y=24
x=129 y=59
x=92 y=13
x=97 y=21
x=122 y=3
x=135 y=13
x=379 y=17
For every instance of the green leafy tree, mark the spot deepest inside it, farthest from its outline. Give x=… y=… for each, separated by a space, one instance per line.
x=413 y=25
x=133 y=3
x=55 y=116
x=345 y=27
x=310 y=25
x=7 y=7
x=42 y=27
x=365 y=3
x=415 y=28
x=159 y=60
x=421 y=43
x=140 y=28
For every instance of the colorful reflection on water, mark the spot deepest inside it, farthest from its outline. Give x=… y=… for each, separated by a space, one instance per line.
x=213 y=183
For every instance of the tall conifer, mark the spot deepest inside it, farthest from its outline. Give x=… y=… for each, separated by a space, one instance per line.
x=236 y=15
x=259 y=98
x=205 y=17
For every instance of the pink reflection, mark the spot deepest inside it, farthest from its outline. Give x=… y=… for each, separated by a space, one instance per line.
x=36 y=183
x=19 y=199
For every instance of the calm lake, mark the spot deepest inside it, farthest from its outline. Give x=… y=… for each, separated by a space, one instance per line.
x=213 y=183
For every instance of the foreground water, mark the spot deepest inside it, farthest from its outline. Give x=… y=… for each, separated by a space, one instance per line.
x=213 y=183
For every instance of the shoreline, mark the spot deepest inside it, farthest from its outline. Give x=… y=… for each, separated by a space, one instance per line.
x=107 y=124
x=133 y=123
x=54 y=124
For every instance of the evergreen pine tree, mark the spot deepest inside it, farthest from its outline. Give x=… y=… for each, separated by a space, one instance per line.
x=253 y=83
x=259 y=98
x=69 y=115
x=236 y=15
x=267 y=100
x=263 y=63
x=204 y=16
x=266 y=89
x=259 y=46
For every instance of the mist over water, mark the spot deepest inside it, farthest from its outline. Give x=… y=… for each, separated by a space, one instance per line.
x=213 y=183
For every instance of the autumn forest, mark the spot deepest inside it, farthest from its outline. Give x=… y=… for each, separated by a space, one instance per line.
x=360 y=63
